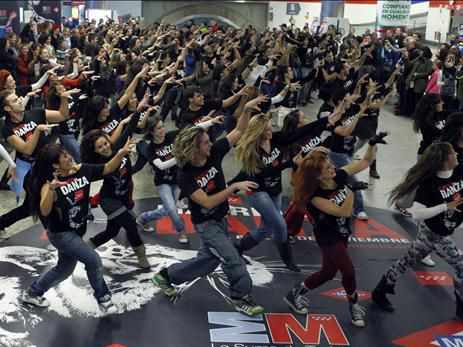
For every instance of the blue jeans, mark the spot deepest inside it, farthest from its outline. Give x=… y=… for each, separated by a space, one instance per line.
x=216 y=248
x=272 y=221
x=17 y=185
x=71 y=145
x=169 y=194
x=71 y=248
x=340 y=160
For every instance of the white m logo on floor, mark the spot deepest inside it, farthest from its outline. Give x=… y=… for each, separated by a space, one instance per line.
x=241 y=329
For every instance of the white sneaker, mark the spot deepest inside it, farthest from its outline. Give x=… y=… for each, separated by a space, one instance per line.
x=182 y=204
x=362 y=216
x=183 y=238
x=35 y=300
x=358 y=313
x=428 y=261
x=148 y=227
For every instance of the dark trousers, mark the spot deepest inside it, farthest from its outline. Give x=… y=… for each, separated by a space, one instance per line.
x=16 y=214
x=124 y=220
x=334 y=258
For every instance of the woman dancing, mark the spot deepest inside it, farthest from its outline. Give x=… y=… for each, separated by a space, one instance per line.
x=436 y=177
x=59 y=194
x=116 y=191
x=323 y=190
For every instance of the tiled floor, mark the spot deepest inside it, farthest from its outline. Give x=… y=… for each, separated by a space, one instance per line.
x=393 y=161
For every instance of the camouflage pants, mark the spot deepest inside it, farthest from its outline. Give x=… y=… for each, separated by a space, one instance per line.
x=425 y=243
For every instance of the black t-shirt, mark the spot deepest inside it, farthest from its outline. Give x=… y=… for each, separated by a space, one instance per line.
x=431 y=132
x=459 y=151
x=280 y=157
x=344 y=144
x=115 y=115
x=329 y=68
x=274 y=162
x=150 y=151
x=325 y=110
x=350 y=82
x=209 y=178
x=367 y=126
x=23 y=90
x=189 y=117
x=118 y=184
x=329 y=229
x=71 y=126
x=163 y=151
x=70 y=210
x=319 y=136
x=436 y=191
x=347 y=86
x=25 y=130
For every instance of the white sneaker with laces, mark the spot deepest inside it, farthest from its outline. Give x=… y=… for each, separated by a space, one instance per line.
x=35 y=300
x=428 y=261
x=362 y=216
x=148 y=227
x=358 y=313
x=183 y=238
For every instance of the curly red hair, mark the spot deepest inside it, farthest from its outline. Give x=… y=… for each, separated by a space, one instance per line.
x=306 y=178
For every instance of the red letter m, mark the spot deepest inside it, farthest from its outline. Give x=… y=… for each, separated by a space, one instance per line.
x=280 y=325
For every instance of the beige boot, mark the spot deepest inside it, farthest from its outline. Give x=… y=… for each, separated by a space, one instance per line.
x=140 y=252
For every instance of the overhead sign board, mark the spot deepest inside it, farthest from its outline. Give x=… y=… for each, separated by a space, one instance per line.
x=293 y=8
x=393 y=13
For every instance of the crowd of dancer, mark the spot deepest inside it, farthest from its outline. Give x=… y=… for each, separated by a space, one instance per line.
x=89 y=103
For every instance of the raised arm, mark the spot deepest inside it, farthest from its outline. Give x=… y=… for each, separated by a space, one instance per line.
x=243 y=120
x=124 y=99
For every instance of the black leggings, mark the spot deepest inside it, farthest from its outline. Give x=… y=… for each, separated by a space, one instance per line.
x=124 y=220
x=16 y=214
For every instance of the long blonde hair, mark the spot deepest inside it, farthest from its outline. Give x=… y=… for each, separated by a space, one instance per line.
x=186 y=145
x=248 y=145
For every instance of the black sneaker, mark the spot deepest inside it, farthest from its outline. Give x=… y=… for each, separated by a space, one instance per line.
x=379 y=295
x=90 y=217
x=247 y=306
x=106 y=305
x=297 y=299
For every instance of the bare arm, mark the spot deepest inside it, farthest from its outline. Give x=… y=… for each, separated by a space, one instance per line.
x=359 y=165
x=211 y=201
x=61 y=115
x=124 y=99
x=118 y=131
x=5 y=155
x=243 y=120
x=27 y=147
x=47 y=199
x=115 y=162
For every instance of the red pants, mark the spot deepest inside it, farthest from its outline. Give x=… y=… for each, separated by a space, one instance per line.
x=334 y=258
x=294 y=218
